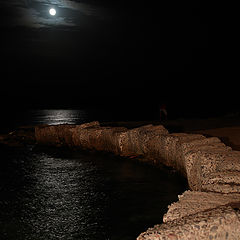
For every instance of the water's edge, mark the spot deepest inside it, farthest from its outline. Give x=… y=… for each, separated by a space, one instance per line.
x=154 y=145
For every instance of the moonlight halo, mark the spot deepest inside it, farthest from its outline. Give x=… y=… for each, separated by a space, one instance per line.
x=52 y=11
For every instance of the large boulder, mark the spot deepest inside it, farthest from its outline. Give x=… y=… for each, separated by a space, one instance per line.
x=192 y=202
x=205 y=166
x=109 y=140
x=136 y=141
x=166 y=148
x=222 y=182
x=51 y=135
x=220 y=223
x=58 y=135
x=85 y=138
x=98 y=138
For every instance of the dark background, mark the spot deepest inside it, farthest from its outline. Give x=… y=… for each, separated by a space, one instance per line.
x=132 y=55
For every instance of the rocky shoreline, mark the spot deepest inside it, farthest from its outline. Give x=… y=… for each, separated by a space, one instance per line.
x=209 y=210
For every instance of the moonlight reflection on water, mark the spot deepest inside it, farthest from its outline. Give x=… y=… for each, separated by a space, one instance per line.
x=59 y=194
x=59 y=116
x=69 y=195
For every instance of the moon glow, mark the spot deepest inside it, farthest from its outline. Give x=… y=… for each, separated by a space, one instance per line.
x=52 y=11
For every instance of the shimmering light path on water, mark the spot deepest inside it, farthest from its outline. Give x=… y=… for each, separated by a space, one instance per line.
x=58 y=116
x=63 y=195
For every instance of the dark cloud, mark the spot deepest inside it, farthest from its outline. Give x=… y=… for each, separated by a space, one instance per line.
x=102 y=45
x=34 y=13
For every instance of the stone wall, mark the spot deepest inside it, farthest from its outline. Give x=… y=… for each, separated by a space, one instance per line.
x=208 y=211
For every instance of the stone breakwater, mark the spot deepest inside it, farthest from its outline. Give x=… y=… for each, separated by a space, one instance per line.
x=209 y=210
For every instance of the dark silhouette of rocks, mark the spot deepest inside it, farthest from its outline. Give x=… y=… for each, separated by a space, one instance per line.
x=20 y=137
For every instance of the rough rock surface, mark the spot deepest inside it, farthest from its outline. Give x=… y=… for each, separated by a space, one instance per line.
x=191 y=202
x=208 y=164
x=205 y=167
x=59 y=135
x=168 y=148
x=54 y=135
x=98 y=138
x=136 y=141
x=220 y=223
x=211 y=167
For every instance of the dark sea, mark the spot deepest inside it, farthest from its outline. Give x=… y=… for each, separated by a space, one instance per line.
x=62 y=194
x=12 y=118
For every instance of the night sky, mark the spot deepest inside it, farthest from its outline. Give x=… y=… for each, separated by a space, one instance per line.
x=115 y=52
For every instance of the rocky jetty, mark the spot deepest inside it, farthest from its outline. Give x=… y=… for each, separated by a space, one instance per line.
x=210 y=210
x=18 y=138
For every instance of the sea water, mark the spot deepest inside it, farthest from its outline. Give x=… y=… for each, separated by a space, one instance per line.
x=62 y=194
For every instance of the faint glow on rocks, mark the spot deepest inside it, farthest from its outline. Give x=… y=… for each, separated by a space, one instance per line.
x=52 y=12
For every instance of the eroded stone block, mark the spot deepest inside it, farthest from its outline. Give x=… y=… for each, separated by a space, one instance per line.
x=219 y=223
x=192 y=202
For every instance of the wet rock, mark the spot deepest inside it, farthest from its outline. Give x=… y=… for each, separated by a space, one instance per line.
x=191 y=202
x=211 y=224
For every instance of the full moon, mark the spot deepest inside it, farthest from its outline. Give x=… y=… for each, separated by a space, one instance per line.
x=52 y=12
